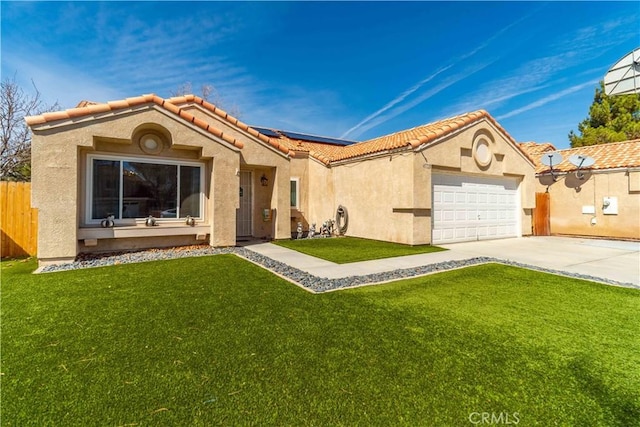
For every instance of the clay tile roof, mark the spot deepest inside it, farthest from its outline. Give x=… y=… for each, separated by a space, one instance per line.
x=613 y=155
x=184 y=99
x=406 y=139
x=325 y=153
x=85 y=103
x=417 y=136
x=534 y=150
x=87 y=108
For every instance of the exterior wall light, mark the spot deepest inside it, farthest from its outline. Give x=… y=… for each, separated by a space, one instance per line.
x=264 y=181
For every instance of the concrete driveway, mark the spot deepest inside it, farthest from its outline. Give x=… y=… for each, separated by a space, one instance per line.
x=605 y=259
x=609 y=259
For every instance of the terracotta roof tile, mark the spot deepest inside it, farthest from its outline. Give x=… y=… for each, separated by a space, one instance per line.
x=324 y=152
x=534 y=150
x=85 y=103
x=86 y=108
x=406 y=139
x=185 y=99
x=117 y=104
x=417 y=136
x=607 y=156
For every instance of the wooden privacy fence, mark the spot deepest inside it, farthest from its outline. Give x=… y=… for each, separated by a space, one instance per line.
x=542 y=215
x=18 y=220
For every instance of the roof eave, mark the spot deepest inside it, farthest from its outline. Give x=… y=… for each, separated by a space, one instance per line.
x=113 y=108
x=245 y=128
x=370 y=156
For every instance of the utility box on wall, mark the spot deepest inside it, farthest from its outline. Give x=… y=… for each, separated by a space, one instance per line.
x=610 y=206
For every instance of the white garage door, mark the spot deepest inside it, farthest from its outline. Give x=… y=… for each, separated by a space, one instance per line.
x=471 y=208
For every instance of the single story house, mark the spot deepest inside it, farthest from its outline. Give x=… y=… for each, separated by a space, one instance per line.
x=601 y=199
x=100 y=171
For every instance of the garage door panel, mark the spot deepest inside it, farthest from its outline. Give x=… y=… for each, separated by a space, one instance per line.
x=473 y=208
x=447 y=216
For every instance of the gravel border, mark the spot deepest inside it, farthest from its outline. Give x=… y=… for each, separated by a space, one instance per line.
x=301 y=278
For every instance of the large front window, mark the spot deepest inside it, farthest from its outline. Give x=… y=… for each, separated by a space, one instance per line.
x=137 y=188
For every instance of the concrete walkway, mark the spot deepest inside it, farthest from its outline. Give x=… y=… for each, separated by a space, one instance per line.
x=607 y=259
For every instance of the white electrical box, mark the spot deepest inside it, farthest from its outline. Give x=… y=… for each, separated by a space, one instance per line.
x=610 y=206
x=589 y=209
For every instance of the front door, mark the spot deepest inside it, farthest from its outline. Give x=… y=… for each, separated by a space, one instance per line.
x=243 y=218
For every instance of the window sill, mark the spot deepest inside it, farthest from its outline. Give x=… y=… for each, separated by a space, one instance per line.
x=142 y=231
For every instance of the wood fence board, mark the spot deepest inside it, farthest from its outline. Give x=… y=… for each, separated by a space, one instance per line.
x=19 y=221
x=542 y=215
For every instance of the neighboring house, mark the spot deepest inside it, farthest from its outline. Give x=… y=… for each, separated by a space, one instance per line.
x=600 y=200
x=457 y=179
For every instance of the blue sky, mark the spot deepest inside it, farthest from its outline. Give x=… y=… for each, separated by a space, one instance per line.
x=355 y=70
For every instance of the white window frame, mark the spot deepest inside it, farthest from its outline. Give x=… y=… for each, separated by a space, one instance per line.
x=297 y=181
x=140 y=159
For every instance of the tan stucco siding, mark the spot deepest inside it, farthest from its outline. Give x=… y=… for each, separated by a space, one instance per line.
x=54 y=192
x=299 y=170
x=259 y=158
x=569 y=196
x=275 y=166
x=378 y=194
x=60 y=176
x=390 y=197
x=455 y=153
x=320 y=199
x=422 y=201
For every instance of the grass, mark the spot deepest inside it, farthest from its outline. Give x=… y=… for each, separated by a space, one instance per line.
x=344 y=250
x=219 y=341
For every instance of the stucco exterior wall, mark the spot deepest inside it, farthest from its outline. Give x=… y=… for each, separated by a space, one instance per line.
x=321 y=203
x=456 y=153
x=260 y=158
x=389 y=197
x=569 y=195
x=275 y=196
x=59 y=160
x=54 y=191
x=378 y=194
x=299 y=170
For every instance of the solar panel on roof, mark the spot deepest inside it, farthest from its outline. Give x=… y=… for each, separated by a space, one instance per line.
x=314 y=138
x=267 y=132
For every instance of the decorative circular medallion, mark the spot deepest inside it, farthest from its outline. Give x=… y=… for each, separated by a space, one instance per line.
x=150 y=143
x=482 y=152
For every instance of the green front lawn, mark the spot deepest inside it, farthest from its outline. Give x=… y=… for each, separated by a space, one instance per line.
x=343 y=250
x=219 y=341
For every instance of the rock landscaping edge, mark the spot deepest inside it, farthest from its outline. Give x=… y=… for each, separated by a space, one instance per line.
x=305 y=280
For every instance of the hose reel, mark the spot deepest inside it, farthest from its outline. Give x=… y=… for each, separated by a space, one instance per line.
x=342 y=220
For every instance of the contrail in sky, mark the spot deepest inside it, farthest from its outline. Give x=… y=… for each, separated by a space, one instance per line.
x=397 y=100
x=547 y=99
x=424 y=81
